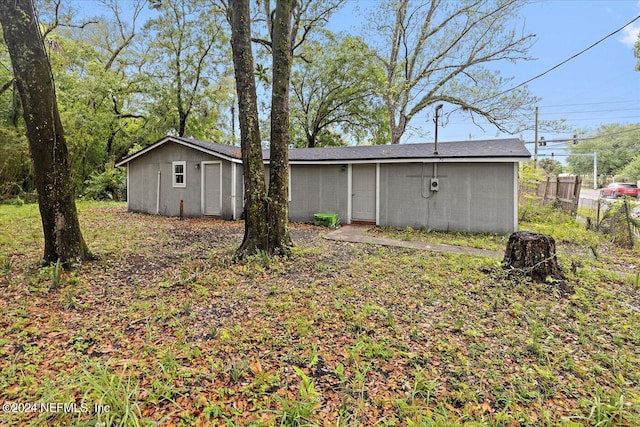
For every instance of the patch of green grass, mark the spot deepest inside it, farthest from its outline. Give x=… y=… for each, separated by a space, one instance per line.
x=299 y=411
x=473 y=240
x=114 y=396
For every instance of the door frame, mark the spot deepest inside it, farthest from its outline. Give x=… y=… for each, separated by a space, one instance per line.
x=350 y=191
x=203 y=186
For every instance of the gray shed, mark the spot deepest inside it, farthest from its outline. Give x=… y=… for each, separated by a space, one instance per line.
x=207 y=177
x=469 y=186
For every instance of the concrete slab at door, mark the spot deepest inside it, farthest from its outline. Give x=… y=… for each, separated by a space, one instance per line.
x=364 y=193
x=212 y=189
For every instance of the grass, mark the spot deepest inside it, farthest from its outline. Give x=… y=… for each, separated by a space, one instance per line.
x=164 y=329
x=474 y=240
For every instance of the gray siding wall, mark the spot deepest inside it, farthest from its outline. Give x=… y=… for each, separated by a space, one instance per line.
x=473 y=197
x=143 y=181
x=318 y=188
x=226 y=208
x=239 y=192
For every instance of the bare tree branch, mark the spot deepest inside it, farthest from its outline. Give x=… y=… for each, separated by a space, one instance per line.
x=6 y=86
x=57 y=23
x=439 y=50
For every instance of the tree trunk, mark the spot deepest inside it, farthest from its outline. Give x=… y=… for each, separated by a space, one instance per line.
x=278 y=212
x=397 y=130
x=182 y=125
x=311 y=139
x=534 y=255
x=255 y=229
x=62 y=236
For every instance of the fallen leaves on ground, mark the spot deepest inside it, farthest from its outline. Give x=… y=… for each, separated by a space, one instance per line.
x=165 y=329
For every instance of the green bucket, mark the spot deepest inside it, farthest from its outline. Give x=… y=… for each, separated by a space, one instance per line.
x=326 y=219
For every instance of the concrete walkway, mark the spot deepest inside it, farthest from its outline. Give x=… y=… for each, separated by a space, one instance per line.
x=355 y=234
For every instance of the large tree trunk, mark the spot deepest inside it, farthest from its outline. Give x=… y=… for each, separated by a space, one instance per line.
x=279 y=239
x=255 y=231
x=62 y=236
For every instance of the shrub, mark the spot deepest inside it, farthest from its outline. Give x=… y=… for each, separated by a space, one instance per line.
x=108 y=185
x=15 y=201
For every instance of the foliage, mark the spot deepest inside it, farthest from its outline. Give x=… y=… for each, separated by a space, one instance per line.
x=618 y=222
x=615 y=145
x=636 y=53
x=187 y=69
x=15 y=164
x=335 y=94
x=108 y=185
x=552 y=220
x=631 y=171
x=97 y=86
x=114 y=82
x=529 y=175
x=338 y=334
x=550 y=167
x=9 y=103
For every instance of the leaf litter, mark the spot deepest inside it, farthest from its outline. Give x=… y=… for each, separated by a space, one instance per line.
x=167 y=330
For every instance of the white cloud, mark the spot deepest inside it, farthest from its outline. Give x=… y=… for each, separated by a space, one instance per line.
x=630 y=34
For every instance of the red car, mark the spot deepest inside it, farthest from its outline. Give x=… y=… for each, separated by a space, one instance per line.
x=619 y=189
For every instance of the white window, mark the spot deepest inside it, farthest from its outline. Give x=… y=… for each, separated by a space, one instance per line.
x=180 y=174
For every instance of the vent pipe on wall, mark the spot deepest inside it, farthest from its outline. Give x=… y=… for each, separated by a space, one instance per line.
x=435 y=151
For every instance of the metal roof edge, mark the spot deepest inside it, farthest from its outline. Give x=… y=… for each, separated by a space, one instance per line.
x=192 y=143
x=177 y=140
x=146 y=149
x=510 y=159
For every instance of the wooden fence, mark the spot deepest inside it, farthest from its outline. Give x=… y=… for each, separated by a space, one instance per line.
x=563 y=189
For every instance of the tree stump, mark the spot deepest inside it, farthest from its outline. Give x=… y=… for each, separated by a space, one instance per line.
x=534 y=255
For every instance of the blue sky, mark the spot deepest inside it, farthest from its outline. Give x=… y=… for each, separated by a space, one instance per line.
x=599 y=87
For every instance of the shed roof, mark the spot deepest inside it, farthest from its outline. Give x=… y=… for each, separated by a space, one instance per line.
x=496 y=148
x=511 y=148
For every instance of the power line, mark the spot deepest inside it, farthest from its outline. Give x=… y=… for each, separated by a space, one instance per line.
x=635 y=101
x=571 y=139
x=565 y=61
x=598 y=118
x=590 y=111
x=601 y=119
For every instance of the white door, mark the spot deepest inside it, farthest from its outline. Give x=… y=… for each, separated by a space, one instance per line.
x=212 y=189
x=364 y=193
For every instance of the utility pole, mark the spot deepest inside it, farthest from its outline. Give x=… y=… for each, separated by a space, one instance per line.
x=595 y=170
x=535 y=152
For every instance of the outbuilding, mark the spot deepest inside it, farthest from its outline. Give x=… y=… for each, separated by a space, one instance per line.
x=467 y=186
